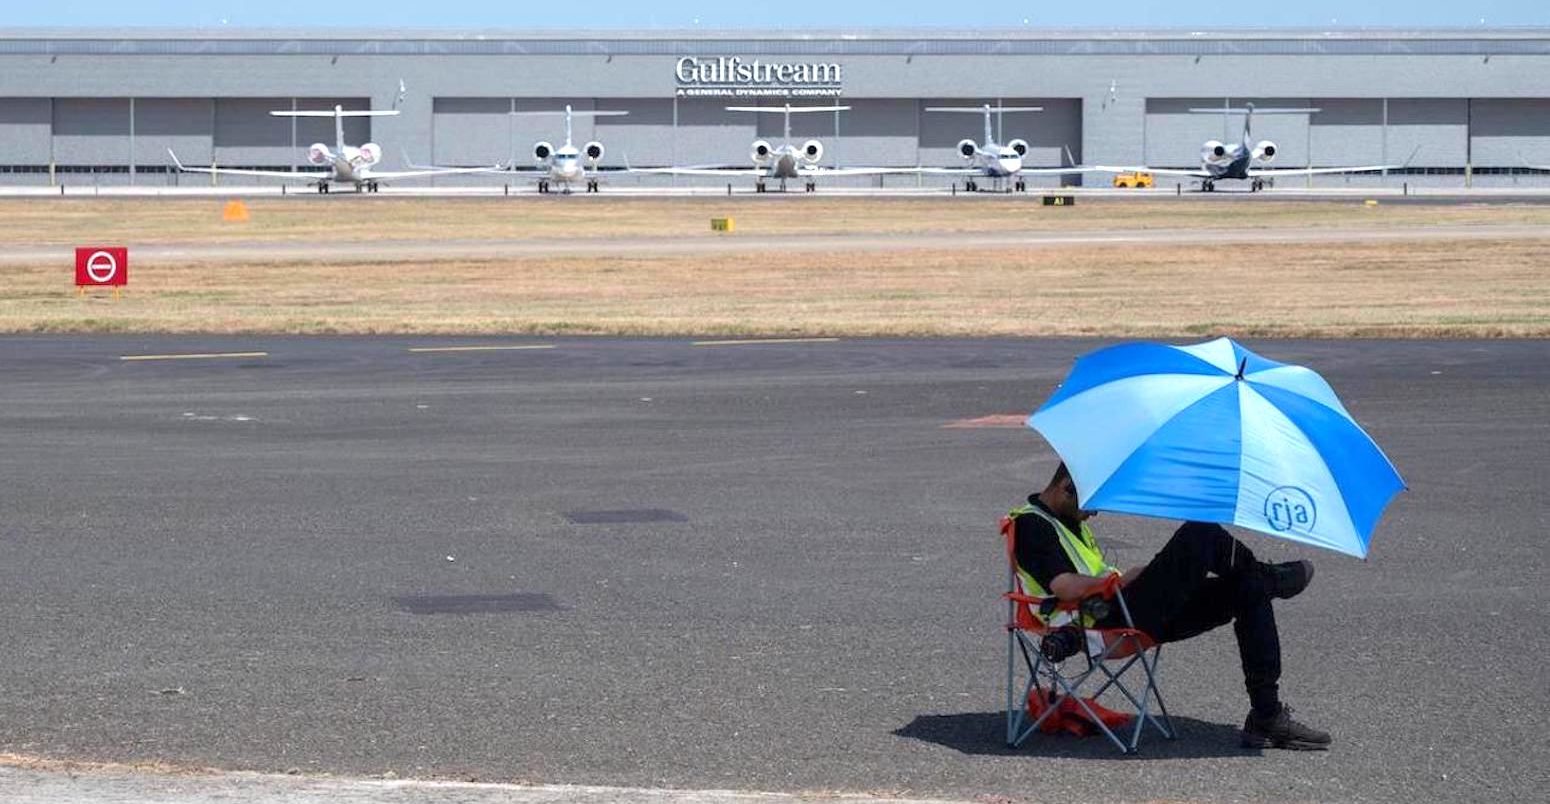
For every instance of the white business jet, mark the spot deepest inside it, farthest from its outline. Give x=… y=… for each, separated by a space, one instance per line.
x=346 y=164
x=991 y=160
x=1246 y=160
x=567 y=164
x=782 y=162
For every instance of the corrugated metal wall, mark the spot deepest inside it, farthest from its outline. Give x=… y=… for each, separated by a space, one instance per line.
x=1113 y=100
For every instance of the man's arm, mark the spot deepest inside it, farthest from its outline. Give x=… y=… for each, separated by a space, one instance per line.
x=1069 y=586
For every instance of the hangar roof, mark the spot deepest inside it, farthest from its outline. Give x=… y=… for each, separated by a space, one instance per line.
x=884 y=41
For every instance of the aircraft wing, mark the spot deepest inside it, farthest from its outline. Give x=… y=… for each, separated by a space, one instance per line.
x=1194 y=174
x=1269 y=173
x=974 y=171
x=699 y=171
x=389 y=175
x=819 y=170
x=308 y=176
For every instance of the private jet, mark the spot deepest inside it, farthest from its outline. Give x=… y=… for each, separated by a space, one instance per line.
x=1245 y=160
x=346 y=164
x=567 y=164
x=999 y=163
x=784 y=162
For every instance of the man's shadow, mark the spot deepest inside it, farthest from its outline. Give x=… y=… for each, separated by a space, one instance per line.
x=984 y=733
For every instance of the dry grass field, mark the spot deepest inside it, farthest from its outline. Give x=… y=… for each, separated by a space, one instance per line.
x=185 y=220
x=1428 y=288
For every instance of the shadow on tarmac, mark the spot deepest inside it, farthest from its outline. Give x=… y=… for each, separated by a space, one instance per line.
x=984 y=733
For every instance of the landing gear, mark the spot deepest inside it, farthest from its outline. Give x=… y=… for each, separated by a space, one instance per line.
x=543 y=186
x=1020 y=186
x=591 y=185
x=812 y=186
x=970 y=186
x=759 y=187
x=371 y=187
x=323 y=187
x=1208 y=186
x=1256 y=185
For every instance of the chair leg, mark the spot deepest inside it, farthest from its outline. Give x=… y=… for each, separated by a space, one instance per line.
x=1016 y=707
x=1168 y=731
x=1013 y=715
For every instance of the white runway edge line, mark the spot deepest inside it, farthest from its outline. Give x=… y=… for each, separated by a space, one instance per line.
x=197 y=356
x=122 y=786
x=750 y=341
x=513 y=348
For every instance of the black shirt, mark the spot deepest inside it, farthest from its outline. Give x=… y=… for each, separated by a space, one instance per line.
x=1038 y=546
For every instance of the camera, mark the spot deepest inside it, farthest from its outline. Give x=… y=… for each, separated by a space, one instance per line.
x=1062 y=643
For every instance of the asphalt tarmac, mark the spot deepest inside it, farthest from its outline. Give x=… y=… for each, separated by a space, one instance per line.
x=649 y=563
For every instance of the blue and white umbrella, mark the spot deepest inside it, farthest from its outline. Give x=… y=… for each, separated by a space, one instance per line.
x=1216 y=433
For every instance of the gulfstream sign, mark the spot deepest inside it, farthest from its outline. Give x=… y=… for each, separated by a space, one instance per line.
x=731 y=76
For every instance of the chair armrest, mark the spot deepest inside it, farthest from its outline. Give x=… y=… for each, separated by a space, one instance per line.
x=1109 y=588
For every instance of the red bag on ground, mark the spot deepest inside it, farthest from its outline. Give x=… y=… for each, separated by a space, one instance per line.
x=1071 y=718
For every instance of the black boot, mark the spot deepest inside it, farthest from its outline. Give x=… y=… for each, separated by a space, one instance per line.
x=1281 y=731
x=1287 y=580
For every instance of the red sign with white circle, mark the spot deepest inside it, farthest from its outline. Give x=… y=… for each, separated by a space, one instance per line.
x=102 y=265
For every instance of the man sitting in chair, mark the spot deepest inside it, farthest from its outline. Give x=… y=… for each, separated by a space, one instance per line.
x=1203 y=578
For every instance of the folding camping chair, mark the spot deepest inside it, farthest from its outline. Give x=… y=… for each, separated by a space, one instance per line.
x=1050 y=693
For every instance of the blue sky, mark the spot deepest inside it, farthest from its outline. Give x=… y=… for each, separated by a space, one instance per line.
x=734 y=14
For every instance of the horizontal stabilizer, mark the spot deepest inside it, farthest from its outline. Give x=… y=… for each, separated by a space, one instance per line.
x=1253 y=109
x=574 y=113
x=784 y=109
x=984 y=109
x=338 y=113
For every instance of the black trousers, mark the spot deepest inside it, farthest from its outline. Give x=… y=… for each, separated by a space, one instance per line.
x=1203 y=579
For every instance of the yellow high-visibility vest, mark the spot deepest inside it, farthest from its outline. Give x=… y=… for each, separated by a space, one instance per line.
x=1081 y=548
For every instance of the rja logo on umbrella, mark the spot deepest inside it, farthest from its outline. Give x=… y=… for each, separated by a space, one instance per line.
x=1290 y=508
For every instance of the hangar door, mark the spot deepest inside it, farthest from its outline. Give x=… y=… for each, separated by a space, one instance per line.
x=25 y=129
x=1344 y=131
x=1508 y=132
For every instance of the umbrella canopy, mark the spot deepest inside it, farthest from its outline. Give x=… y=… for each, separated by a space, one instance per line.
x=1216 y=433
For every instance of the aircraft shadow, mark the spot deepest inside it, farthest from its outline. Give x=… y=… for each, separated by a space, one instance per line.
x=984 y=733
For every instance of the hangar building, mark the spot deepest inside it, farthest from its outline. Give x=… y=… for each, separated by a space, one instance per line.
x=103 y=106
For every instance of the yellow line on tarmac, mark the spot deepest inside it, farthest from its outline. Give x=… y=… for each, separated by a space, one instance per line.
x=207 y=356
x=421 y=349
x=765 y=340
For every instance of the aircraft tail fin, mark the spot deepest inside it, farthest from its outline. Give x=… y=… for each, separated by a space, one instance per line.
x=338 y=114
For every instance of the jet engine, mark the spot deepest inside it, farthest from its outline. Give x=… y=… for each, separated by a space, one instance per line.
x=1020 y=146
x=812 y=151
x=318 y=154
x=760 y=151
x=593 y=150
x=370 y=154
x=967 y=149
x=1215 y=152
x=542 y=151
x=1264 y=151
